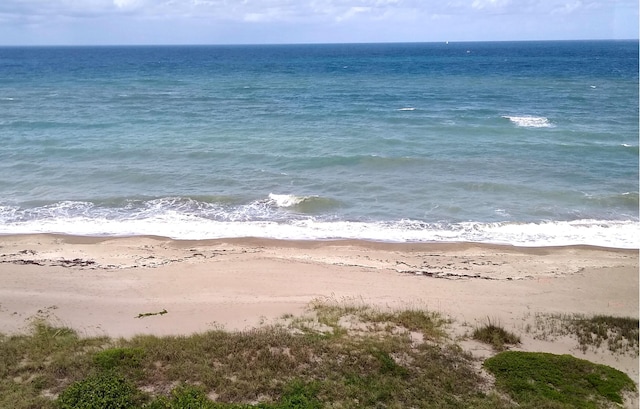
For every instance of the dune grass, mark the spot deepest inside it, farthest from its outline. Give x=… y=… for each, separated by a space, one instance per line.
x=495 y=335
x=336 y=356
x=618 y=334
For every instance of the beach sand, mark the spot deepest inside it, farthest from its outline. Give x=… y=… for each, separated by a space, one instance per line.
x=100 y=286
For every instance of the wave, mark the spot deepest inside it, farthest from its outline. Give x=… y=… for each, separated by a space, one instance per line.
x=406 y=109
x=629 y=200
x=304 y=204
x=193 y=220
x=288 y=200
x=217 y=208
x=530 y=121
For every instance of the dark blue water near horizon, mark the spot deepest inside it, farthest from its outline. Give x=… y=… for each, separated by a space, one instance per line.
x=528 y=143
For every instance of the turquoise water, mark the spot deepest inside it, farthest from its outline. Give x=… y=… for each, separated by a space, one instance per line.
x=528 y=143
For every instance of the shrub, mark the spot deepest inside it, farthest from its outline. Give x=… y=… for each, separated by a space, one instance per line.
x=118 y=357
x=105 y=390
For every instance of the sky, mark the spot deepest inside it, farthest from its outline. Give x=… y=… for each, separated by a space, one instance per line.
x=130 y=22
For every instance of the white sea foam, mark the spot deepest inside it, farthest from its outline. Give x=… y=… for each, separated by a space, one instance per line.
x=188 y=226
x=502 y=212
x=287 y=200
x=530 y=121
x=407 y=109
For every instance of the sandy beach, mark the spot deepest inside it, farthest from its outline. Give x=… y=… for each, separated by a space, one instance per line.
x=104 y=286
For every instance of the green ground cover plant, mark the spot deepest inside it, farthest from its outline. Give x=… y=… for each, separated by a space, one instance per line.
x=348 y=356
x=99 y=391
x=542 y=379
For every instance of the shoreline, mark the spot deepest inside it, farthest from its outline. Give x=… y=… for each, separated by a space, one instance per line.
x=304 y=243
x=620 y=234
x=101 y=285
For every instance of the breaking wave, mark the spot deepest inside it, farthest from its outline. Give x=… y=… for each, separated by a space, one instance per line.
x=530 y=121
x=181 y=218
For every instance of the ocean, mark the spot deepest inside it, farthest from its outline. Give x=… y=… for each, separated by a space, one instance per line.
x=522 y=143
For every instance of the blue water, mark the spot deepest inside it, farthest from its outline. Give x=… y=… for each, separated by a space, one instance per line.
x=528 y=143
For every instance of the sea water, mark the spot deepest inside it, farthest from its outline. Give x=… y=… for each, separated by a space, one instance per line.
x=526 y=143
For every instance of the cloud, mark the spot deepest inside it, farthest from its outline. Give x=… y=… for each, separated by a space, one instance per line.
x=484 y=4
x=34 y=9
x=147 y=21
x=287 y=10
x=353 y=11
x=127 y=4
x=568 y=7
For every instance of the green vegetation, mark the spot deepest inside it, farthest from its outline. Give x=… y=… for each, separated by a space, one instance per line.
x=496 y=336
x=104 y=390
x=540 y=379
x=618 y=334
x=335 y=356
x=118 y=357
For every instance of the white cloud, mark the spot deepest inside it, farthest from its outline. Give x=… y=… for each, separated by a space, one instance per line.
x=127 y=4
x=568 y=7
x=274 y=10
x=351 y=12
x=483 y=4
x=315 y=20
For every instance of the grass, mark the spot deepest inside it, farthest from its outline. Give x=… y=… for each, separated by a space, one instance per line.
x=493 y=334
x=348 y=356
x=617 y=334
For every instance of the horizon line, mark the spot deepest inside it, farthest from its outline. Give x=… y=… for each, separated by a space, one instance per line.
x=314 y=43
